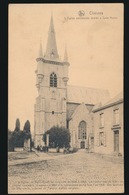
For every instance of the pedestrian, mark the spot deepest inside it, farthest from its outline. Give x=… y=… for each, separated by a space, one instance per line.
x=64 y=149
x=57 y=148
x=38 y=148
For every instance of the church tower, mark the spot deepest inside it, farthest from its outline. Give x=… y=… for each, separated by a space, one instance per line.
x=51 y=82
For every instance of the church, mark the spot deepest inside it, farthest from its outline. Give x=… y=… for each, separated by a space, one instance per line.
x=59 y=103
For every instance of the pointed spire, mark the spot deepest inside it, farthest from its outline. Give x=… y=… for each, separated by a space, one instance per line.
x=51 y=27
x=51 y=49
x=40 y=50
x=65 y=55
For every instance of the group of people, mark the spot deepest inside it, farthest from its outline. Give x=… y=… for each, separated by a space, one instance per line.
x=42 y=148
x=45 y=149
x=67 y=150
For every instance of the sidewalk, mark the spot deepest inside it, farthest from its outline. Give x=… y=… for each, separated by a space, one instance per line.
x=36 y=157
x=111 y=158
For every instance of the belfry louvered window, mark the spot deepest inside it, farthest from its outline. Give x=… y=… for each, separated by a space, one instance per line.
x=53 y=80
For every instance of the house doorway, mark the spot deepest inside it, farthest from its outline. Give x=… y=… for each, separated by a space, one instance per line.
x=116 y=141
x=82 y=144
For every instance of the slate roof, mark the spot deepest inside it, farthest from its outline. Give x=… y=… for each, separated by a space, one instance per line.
x=77 y=94
x=117 y=99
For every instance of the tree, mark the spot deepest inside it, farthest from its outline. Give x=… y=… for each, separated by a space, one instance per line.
x=58 y=136
x=17 y=126
x=27 y=134
x=10 y=141
x=26 y=130
x=17 y=137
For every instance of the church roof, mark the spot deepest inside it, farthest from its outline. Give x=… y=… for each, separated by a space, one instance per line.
x=77 y=94
x=81 y=108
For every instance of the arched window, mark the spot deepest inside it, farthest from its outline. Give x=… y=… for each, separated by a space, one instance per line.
x=53 y=80
x=82 y=130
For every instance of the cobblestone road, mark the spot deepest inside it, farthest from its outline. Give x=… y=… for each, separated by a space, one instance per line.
x=79 y=172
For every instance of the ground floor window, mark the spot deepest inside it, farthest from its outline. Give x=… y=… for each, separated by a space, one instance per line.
x=101 y=138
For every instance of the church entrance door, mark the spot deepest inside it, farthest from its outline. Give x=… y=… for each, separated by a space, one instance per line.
x=82 y=144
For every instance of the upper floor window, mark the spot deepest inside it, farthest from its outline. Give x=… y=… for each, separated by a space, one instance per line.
x=116 y=116
x=82 y=130
x=53 y=80
x=102 y=120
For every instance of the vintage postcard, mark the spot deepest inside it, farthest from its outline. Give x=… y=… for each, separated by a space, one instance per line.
x=65 y=128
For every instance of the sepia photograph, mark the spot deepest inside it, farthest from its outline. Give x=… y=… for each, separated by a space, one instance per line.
x=65 y=98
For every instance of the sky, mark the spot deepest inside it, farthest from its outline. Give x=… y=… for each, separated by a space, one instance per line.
x=94 y=45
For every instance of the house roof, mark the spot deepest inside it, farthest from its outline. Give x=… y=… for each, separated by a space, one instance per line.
x=77 y=94
x=97 y=106
x=117 y=99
